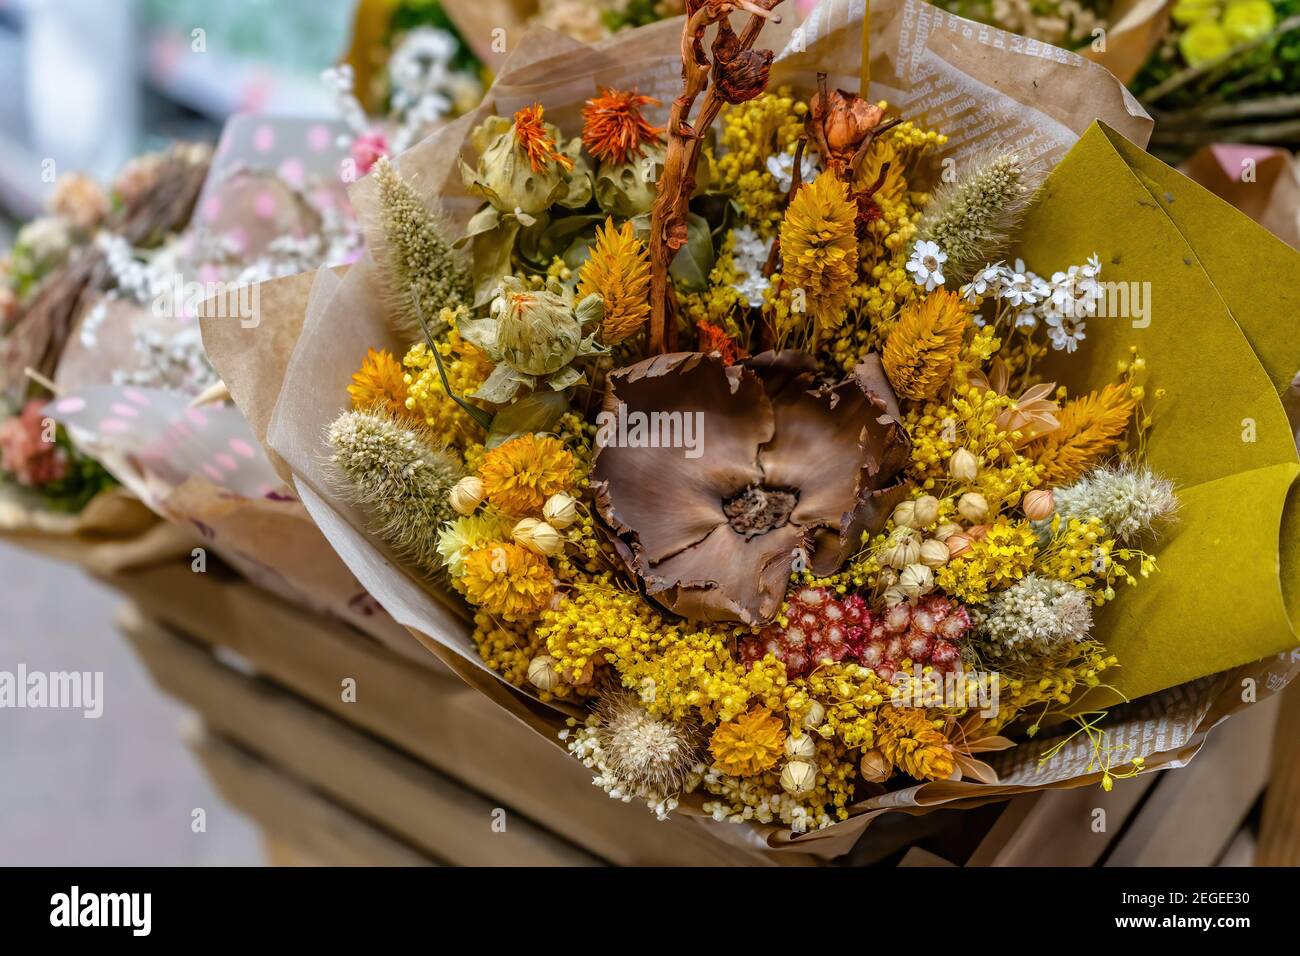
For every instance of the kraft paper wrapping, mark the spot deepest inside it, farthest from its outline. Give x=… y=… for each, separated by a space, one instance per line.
x=971 y=81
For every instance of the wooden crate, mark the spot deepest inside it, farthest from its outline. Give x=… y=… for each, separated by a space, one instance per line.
x=423 y=712
x=428 y=746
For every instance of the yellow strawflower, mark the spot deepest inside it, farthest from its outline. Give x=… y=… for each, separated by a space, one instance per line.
x=923 y=347
x=749 y=744
x=520 y=475
x=379 y=383
x=819 y=255
x=504 y=579
x=618 y=270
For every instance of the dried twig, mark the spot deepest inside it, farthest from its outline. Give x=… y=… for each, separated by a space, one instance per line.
x=668 y=218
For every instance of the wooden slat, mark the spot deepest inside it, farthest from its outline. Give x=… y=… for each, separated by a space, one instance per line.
x=321 y=831
x=1279 y=827
x=437 y=815
x=1193 y=814
x=429 y=714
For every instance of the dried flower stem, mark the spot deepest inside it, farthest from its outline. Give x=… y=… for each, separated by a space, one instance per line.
x=668 y=219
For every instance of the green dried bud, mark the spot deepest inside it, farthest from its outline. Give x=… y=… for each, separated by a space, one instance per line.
x=629 y=189
x=537 y=331
x=524 y=166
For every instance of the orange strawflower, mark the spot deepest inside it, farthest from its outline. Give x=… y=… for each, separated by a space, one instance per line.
x=748 y=745
x=531 y=134
x=613 y=128
x=521 y=474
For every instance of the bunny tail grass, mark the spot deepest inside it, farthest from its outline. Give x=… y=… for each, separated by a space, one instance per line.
x=409 y=243
x=398 y=479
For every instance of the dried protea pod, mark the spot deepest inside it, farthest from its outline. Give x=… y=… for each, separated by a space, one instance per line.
x=788 y=470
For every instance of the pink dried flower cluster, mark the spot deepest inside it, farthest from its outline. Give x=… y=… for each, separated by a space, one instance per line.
x=820 y=628
x=24 y=452
x=923 y=633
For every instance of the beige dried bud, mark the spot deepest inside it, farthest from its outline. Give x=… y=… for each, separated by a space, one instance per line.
x=1039 y=505
x=816 y=714
x=916 y=580
x=893 y=595
x=946 y=530
x=538 y=536
x=925 y=511
x=902 y=548
x=934 y=553
x=904 y=514
x=963 y=465
x=542 y=673
x=560 y=511
x=466 y=495
x=798 y=776
x=874 y=766
x=973 y=506
x=800 y=747
x=958 y=544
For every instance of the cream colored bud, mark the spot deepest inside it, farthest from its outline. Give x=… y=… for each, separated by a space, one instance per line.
x=958 y=544
x=1039 y=505
x=542 y=673
x=963 y=466
x=904 y=514
x=560 y=511
x=466 y=495
x=816 y=714
x=934 y=553
x=973 y=506
x=538 y=536
x=798 y=776
x=902 y=548
x=946 y=530
x=925 y=511
x=800 y=748
x=916 y=580
x=875 y=768
x=893 y=595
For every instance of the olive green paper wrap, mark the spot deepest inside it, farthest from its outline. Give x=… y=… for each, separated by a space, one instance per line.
x=1221 y=292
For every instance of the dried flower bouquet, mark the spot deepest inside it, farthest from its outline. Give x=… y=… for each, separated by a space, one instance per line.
x=742 y=440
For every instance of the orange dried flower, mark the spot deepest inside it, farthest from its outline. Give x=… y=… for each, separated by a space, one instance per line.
x=911 y=743
x=613 y=129
x=1090 y=427
x=521 y=474
x=748 y=745
x=712 y=339
x=531 y=135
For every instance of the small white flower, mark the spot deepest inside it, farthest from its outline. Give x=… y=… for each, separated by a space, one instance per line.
x=1027 y=319
x=926 y=264
x=988 y=281
x=781 y=166
x=1065 y=331
x=1019 y=290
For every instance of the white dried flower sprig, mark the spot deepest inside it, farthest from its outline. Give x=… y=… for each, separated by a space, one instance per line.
x=749 y=253
x=1128 y=499
x=1025 y=299
x=636 y=755
x=1033 y=618
x=398 y=478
